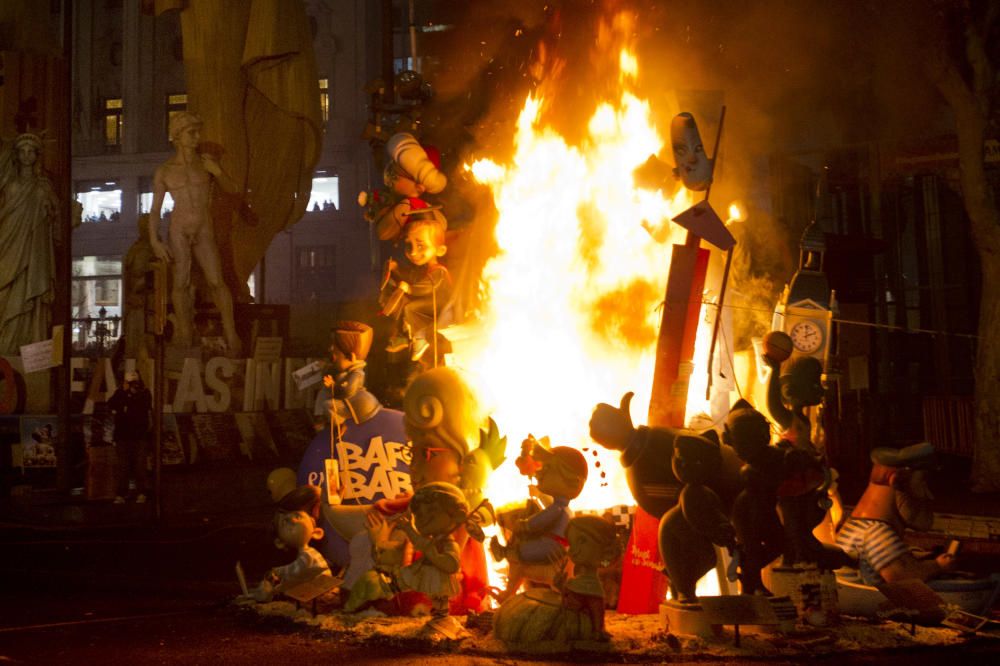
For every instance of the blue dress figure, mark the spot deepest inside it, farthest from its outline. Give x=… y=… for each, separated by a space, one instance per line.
x=369 y=444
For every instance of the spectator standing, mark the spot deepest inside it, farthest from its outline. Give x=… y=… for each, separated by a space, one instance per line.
x=132 y=406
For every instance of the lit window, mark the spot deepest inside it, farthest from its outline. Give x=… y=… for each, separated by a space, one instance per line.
x=325 y=193
x=402 y=64
x=146 y=203
x=175 y=104
x=97 y=300
x=101 y=202
x=113 y=122
x=324 y=99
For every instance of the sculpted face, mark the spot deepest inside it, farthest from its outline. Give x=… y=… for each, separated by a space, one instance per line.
x=584 y=549
x=295 y=528
x=188 y=137
x=691 y=164
x=27 y=154
x=338 y=359
x=420 y=246
x=407 y=187
x=431 y=464
x=432 y=520
x=913 y=500
x=557 y=481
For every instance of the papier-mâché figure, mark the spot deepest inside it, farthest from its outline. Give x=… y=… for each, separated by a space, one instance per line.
x=755 y=511
x=412 y=171
x=295 y=526
x=700 y=521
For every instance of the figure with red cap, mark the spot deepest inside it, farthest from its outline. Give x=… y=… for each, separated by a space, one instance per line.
x=542 y=537
x=413 y=170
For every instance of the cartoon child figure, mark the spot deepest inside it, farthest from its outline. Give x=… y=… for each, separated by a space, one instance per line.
x=420 y=288
x=412 y=171
x=437 y=510
x=345 y=393
x=369 y=576
x=593 y=543
x=542 y=537
x=295 y=525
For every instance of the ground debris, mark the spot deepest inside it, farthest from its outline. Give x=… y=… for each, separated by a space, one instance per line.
x=632 y=636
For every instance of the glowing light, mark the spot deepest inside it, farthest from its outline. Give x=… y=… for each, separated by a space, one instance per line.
x=628 y=64
x=736 y=213
x=570 y=316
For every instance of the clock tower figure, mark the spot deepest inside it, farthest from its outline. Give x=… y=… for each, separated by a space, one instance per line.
x=807 y=306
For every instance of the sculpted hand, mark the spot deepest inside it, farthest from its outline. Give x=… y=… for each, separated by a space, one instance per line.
x=771 y=363
x=406 y=525
x=611 y=427
x=160 y=250
x=946 y=561
x=211 y=165
x=376 y=526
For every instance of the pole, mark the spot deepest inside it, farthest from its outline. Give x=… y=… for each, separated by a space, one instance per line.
x=725 y=272
x=158 y=400
x=159 y=312
x=718 y=320
x=62 y=305
x=388 y=54
x=413 y=37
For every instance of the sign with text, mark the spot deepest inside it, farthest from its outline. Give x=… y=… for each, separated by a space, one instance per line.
x=38 y=356
x=267 y=349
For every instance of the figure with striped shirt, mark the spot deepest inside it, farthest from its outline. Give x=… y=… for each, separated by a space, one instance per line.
x=897 y=497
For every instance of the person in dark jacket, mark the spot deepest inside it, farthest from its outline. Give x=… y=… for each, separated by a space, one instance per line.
x=132 y=406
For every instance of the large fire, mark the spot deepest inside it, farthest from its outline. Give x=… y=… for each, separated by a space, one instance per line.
x=570 y=315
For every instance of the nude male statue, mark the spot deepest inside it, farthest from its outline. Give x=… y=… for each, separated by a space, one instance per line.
x=189 y=177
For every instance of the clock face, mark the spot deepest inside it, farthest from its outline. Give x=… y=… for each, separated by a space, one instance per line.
x=807 y=336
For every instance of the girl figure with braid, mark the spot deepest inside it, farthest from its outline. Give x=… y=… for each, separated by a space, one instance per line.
x=437 y=510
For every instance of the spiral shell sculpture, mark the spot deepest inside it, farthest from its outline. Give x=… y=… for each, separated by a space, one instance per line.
x=440 y=411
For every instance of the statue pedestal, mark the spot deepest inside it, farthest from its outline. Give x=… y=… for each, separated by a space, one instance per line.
x=707 y=617
x=688 y=619
x=813 y=592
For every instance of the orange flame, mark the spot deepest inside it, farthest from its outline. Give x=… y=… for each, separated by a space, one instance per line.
x=570 y=311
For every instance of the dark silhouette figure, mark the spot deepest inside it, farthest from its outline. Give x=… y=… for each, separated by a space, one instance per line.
x=755 y=516
x=689 y=530
x=802 y=497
